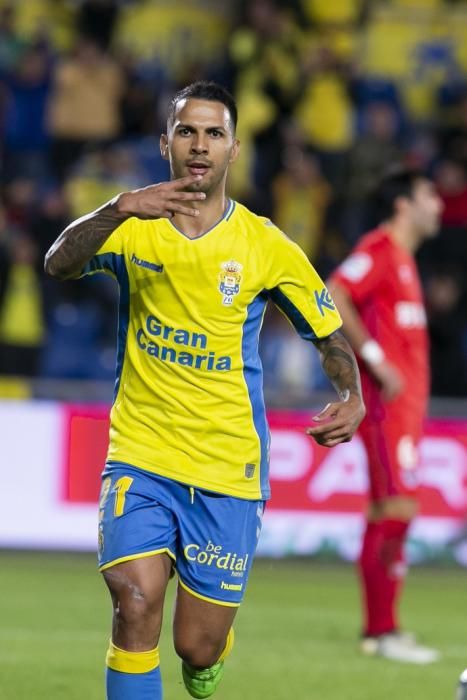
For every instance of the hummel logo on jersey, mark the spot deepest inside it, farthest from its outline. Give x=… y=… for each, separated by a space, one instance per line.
x=324 y=301
x=148 y=265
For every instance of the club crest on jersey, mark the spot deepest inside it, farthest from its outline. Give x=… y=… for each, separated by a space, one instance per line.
x=229 y=281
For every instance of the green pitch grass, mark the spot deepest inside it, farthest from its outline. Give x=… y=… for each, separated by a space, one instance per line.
x=296 y=634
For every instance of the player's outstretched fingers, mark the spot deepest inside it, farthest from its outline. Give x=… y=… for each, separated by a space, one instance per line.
x=337 y=436
x=327 y=412
x=326 y=441
x=327 y=427
x=193 y=196
x=337 y=422
x=182 y=182
x=335 y=441
x=188 y=211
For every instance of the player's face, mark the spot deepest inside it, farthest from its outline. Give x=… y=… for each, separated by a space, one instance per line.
x=426 y=209
x=200 y=141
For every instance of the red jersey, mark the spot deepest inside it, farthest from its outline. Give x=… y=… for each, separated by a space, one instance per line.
x=383 y=282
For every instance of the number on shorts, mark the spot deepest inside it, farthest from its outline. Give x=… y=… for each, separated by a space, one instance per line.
x=121 y=487
x=105 y=490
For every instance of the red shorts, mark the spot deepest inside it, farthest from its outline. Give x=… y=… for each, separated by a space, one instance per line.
x=391 y=434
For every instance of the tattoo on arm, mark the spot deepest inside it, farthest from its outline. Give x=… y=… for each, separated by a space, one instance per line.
x=339 y=364
x=79 y=242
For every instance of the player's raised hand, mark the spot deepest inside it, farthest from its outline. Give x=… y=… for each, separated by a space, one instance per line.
x=389 y=379
x=162 y=200
x=337 y=422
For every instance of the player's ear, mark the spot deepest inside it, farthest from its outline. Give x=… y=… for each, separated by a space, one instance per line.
x=235 y=151
x=401 y=205
x=164 y=146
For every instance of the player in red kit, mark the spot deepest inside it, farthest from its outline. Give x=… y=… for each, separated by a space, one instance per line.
x=378 y=293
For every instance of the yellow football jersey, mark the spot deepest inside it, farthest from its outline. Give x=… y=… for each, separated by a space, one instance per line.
x=188 y=399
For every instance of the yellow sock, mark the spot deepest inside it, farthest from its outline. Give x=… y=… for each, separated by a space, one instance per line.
x=131 y=661
x=228 y=645
x=133 y=674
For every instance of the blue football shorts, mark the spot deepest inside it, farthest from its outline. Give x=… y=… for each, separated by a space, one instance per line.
x=211 y=537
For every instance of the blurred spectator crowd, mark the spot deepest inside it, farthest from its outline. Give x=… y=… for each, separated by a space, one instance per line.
x=329 y=93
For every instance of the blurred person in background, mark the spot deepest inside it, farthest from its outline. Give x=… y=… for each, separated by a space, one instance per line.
x=301 y=197
x=325 y=112
x=25 y=135
x=11 y=46
x=101 y=173
x=50 y=215
x=84 y=104
x=453 y=127
x=96 y=20
x=22 y=319
x=378 y=292
x=20 y=196
x=263 y=65
x=186 y=480
x=451 y=181
x=449 y=249
x=447 y=323
x=372 y=151
x=138 y=108
x=22 y=327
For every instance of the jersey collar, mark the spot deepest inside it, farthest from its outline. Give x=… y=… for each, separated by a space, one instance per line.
x=229 y=210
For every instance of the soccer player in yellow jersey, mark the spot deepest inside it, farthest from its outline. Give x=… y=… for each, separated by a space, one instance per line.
x=186 y=477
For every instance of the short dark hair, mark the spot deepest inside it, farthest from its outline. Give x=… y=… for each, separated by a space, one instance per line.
x=397 y=181
x=205 y=90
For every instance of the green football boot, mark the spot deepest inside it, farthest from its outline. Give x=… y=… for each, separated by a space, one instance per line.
x=202 y=683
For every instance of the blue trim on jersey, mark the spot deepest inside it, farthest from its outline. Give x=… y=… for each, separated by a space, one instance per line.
x=253 y=373
x=232 y=209
x=293 y=314
x=229 y=210
x=115 y=264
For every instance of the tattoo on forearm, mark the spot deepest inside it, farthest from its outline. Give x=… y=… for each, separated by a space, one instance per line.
x=338 y=361
x=77 y=244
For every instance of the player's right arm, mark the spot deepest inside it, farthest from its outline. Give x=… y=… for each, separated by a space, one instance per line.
x=81 y=240
x=367 y=348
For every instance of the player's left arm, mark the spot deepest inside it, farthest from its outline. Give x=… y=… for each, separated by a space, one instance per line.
x=339 y=420
x=298 y=291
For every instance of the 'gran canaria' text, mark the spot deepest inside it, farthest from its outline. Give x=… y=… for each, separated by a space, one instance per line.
x=198 y=357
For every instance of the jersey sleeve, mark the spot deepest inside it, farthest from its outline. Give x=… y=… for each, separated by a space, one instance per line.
x=110 y=258
x=361 y=273
x=298 y=291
